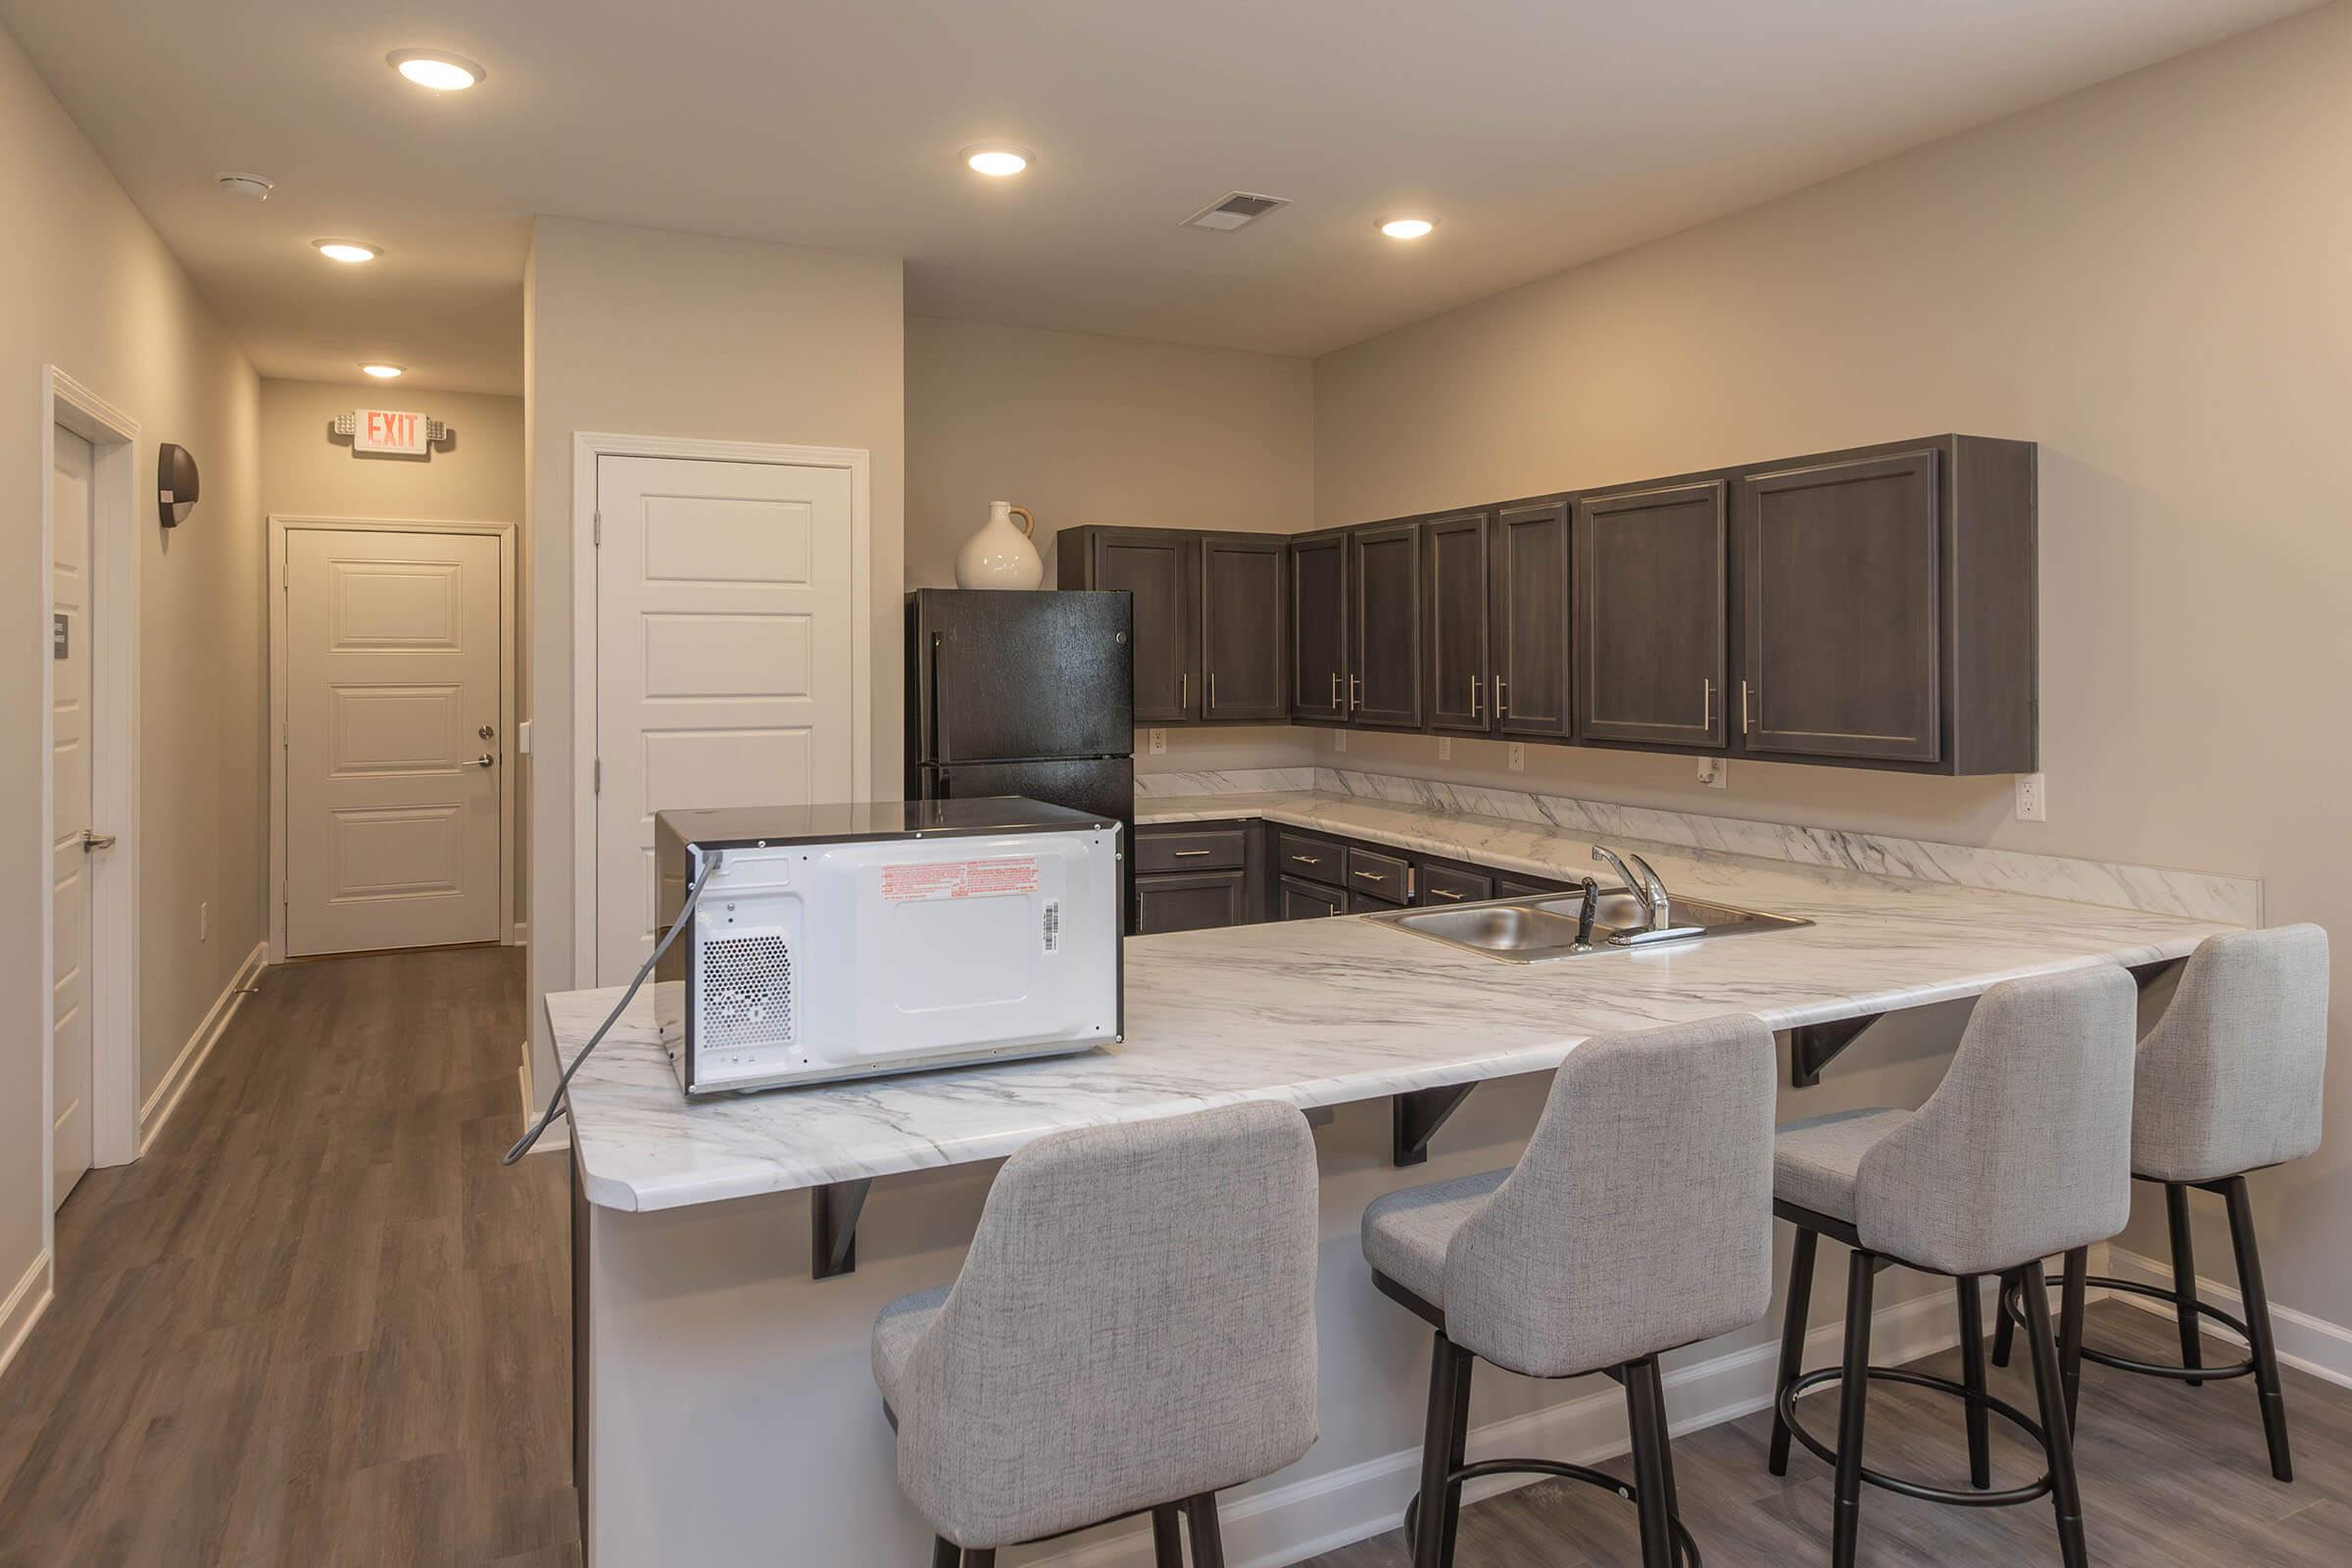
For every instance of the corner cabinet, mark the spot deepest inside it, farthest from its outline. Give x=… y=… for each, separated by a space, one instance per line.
x=1210 y=618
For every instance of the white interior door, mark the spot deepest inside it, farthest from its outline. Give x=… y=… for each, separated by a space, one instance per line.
x=394 y=739
x=69 y=776
x=727 y=652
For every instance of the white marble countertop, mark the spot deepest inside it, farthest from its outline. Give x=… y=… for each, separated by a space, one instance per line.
x=1319 y=1012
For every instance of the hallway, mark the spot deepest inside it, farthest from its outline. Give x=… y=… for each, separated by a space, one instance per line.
x=317 y=1323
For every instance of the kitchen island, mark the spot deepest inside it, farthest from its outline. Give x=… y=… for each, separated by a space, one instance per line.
x=725 y=1410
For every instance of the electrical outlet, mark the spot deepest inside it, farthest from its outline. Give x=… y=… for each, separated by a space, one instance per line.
x=1159 y=743
x=2033 y=798
x=1715 y=772
x=1518 y=756
x=204 y=922
x=1339 y=740
x=1445 y=748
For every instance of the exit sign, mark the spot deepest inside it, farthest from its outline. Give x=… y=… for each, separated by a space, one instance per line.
x=389 y=430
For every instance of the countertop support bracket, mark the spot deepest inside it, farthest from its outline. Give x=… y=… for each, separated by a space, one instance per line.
x=1415 y=1117
x=1812 y=1046
x=2145 y=975
x=833 y=1211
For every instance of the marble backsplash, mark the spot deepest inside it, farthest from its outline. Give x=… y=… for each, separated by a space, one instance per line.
x=2156 y=890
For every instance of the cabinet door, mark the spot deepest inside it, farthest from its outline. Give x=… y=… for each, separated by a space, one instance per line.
x=1842 y=565
x=1384 y=625
x=1319 y=627
x=1243 y=628
x=1191 y=901
x=1651 y=611
x=1530 y=610
x=1461 y=673
x=1163 y=571
x=1309 y=900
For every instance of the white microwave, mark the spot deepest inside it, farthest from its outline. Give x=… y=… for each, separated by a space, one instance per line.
x=840 y=941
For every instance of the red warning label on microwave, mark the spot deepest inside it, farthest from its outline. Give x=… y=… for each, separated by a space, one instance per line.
x=959 y=879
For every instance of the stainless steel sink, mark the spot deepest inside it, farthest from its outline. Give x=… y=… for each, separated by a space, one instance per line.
x=1538 y=930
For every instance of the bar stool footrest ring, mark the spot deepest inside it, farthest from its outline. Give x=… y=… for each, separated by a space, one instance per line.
x=2008 y=1498
x=1686 y=1549
x=2012 y=1307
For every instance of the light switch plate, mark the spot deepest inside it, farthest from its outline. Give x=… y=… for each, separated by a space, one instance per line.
x=1339 y=740
x=1159 y=742
x=2033 y=798
x=1518 y=756
x=1715 y=772
x=522 y=737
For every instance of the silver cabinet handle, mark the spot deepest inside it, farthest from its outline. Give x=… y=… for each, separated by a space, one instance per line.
x=96 y=841
x=1477 y=696
x=1500 y=707
x=485 y=761
x=1191 y=855
x=1335 y=691
x=1212 y=691
x=1446 y=893
x=1373 y=876
x=1184 y=689
x=1748 y=720
x=1309 y=859
x=1706 y=704
x=1355 y=691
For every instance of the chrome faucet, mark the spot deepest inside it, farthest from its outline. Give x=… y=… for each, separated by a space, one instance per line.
x=1649 y=889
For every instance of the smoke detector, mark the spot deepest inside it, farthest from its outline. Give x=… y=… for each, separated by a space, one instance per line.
x=247 y=187
x=1236 y=210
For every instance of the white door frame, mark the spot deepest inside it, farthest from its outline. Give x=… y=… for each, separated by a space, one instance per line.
x=508 y=830
x=586 y=447
x=116 y=494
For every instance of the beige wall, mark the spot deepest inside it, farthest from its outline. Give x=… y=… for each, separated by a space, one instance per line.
x=475 y=478
x=640 y=331
x=1081 y=428
x=2148 y=279
x=85 y=285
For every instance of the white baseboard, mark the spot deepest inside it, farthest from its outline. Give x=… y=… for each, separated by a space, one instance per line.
x=2306 y=1342
x=166 y=1099
x=22 y=1310
x=558 y=1134
x=1322 y=1513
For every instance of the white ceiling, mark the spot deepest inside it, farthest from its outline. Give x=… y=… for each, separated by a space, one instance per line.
x=1543 y=133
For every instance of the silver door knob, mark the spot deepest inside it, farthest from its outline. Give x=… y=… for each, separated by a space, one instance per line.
x=484 y=760
x=96 y=841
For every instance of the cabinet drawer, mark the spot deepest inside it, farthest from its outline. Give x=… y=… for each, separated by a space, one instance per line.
x=1188 y=901
x=1302 y=899
x=1206 y=849
x=1520 y=887
x=1443 y=884
x=1373 y=875
x=1317 y=859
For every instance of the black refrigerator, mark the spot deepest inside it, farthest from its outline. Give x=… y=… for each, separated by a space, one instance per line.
x=1012 y=693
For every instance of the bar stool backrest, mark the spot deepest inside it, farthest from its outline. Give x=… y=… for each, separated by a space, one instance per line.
x=2231 y=1077
x=1638 y=1217
x=1133 y=1325
x=2025 y=1148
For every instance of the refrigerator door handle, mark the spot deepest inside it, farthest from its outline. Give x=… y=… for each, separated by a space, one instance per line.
x=937 y=712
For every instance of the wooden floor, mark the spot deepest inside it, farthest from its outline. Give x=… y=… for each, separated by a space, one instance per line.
x=319 y=1324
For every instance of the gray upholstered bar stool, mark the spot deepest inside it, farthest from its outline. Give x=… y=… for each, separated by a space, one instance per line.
x=1637 y=1221
x=1133 y=1330
x=2024 y=1150
x=2229 y=1081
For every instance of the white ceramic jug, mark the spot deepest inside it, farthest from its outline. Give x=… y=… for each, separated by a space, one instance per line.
x=1000 y=555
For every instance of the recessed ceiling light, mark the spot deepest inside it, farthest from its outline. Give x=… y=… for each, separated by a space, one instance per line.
x=430 y=68
x=346 y=250
x=1407 y=227
x=382 y=372
x=996 y=159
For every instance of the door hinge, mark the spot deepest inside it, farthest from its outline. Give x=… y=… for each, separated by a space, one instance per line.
x=596 y=777
x=596 y=530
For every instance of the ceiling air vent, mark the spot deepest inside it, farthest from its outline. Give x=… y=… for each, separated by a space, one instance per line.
x=1235 y=211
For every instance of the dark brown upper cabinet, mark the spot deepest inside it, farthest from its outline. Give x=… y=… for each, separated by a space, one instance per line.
x=1384 y=625
x=1843 y=609
x=1245 y=619
x=1653 y=656
x=1528 y=620
x=1319 y=627
x=1457 y=575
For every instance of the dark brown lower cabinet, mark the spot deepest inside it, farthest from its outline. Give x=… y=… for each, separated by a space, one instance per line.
x=1451 y=884
x=1514 y=886
x=1297 y=899
x=1191 y=901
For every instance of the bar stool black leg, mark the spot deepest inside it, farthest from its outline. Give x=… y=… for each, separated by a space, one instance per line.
x=1972 y=1368
x=1442 y=1444
x=2042 y=1344
x=2184 y=1278
x=1854 y=1400
x=1792 y=1338
x=1167 y=1537
x=945 y=1553
x=2004 y=1332
x=979 y=1557
x=1209 y=1541
x=2258 y=1326
x=2070 y=1328
x=1645 y=1415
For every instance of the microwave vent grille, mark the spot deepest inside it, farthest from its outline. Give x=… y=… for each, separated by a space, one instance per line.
x=745 y=985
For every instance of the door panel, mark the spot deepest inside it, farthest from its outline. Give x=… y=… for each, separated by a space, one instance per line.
x=70 y=514
x=1460 y=676
x=1652 y=609
x=1300 y=900
x=751 y=559
x=1384 y=649
x=1531 y=598
x=1843 y=609
x=1244 y=630
x=1192 y=900
x=976 y=657
x=1319 y=627
x=1163 y=571
x=393 y=824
